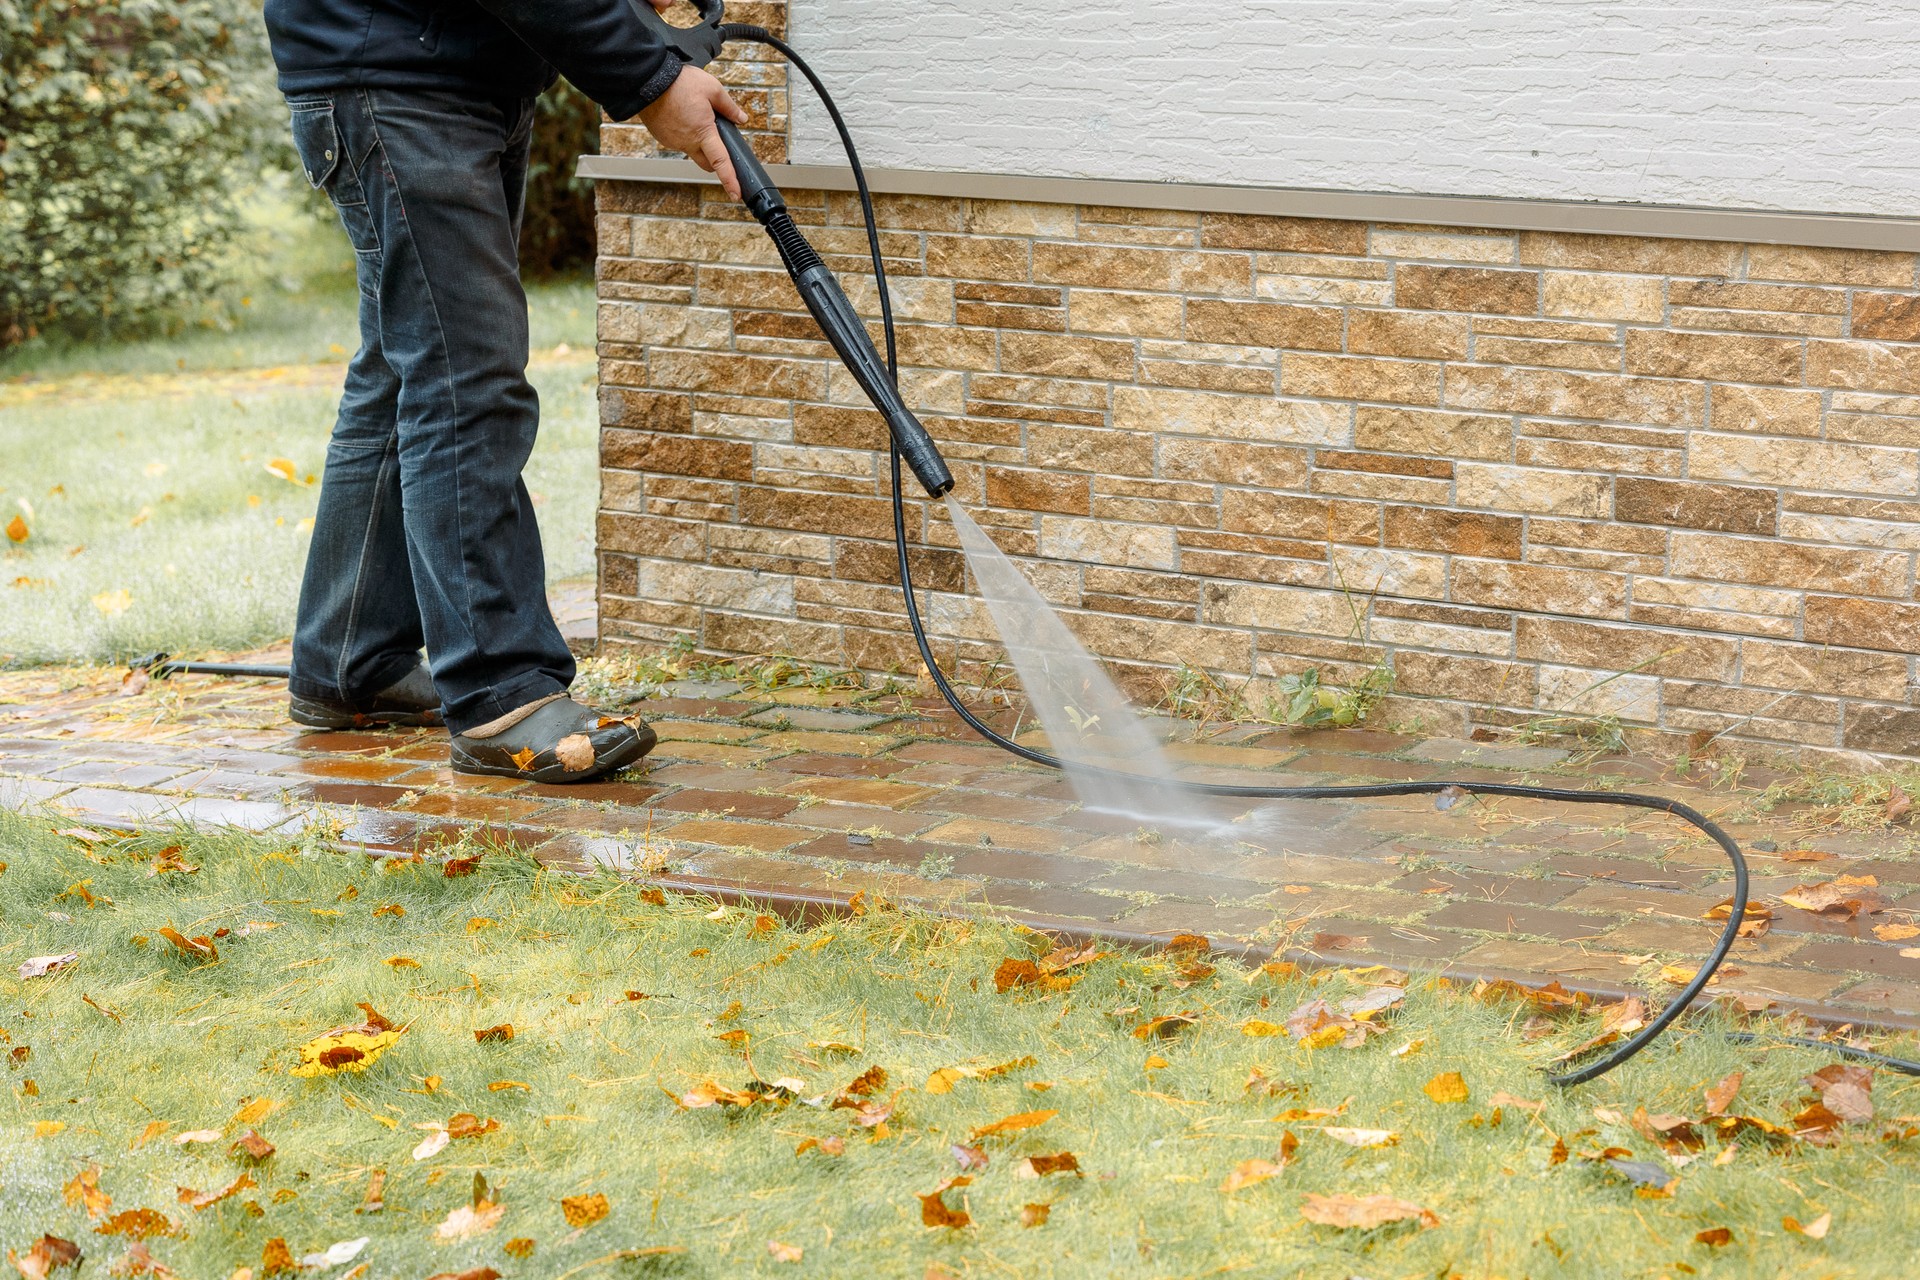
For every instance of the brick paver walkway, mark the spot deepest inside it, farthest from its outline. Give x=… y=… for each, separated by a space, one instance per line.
x=805 y=798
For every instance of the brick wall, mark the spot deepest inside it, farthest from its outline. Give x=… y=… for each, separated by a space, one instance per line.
x=1509 y=465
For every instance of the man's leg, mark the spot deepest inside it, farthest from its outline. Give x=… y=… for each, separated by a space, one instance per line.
x=359 y=628
x=453 y=327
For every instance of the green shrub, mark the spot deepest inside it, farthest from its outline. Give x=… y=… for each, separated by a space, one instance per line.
x=127 y=129
x=557 y=233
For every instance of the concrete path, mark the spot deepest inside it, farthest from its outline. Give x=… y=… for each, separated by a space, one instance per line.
x=805 y=798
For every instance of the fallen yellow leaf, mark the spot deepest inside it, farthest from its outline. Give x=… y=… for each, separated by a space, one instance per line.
x=584 y=1211
x=1446 y=1087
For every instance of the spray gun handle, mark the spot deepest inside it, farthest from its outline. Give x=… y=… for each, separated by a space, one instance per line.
x=757 y=191
x=698 y=44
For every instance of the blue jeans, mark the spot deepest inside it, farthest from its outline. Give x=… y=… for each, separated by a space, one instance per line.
x=425 y=532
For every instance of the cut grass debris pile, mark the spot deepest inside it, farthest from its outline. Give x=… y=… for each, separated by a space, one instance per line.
x=230 y=1052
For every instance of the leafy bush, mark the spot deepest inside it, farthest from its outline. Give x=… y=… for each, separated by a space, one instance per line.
x=127 y=128
x=557 y=234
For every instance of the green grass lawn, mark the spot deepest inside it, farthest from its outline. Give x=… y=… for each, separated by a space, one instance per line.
x=622 y=1007
x=140 y=470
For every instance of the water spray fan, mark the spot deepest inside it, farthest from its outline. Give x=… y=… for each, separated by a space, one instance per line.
x=911 y=443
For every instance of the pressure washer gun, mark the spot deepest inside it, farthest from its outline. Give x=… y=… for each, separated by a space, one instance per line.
x=700 y=45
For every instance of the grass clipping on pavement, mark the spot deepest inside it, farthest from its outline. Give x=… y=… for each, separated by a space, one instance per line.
x=241 y=1053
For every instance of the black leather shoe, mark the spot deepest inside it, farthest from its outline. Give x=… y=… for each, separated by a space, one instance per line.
x=411 y=700
x=561 y=742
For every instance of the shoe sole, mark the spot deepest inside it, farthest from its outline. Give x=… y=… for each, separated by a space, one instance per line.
x=645 y=740
x=318 y=715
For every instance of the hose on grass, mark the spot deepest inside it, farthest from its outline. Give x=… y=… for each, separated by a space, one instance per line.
x=1592 y=1069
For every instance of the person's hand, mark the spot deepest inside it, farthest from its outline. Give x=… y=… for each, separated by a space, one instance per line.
x=681 y=119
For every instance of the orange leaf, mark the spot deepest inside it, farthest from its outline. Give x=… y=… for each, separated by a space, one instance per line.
x=138 y=1223
x=17 y=529
x=1013 y=1124
x=198 y=1200
x=502 y=1032
x=85 y=1190
x=584 y=1211
x=1446 y=1087
x=1721 y=1095
x=1714 y=1237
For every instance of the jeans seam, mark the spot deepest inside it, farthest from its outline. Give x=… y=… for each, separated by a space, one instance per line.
x=360 y=578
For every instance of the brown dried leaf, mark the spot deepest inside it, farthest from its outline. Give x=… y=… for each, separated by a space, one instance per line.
x=1836 y=899
x=970 y=1159
x=137 y=1261
x=1899 y=803
x=709 y=1093
x=1721 y=1095
x=1363 y=1212
x=1041 y=1166
x=785 y=1252
x=574 y=752
x=1805 y=855
x=1714 y=1237
x=197 y=1200
x=252 y=1146
x=276 y=1259
x=1032 y=1215
x=1754 y=920
x=1846 y=1090
x=453 y=868
x=503 y=1032
x=1164 y=1027
x=934 y=1210
x=47 y=1253
x=374 y=1201
x=585 y=1210
x=41 y=966
x=201 y=948
x=867 y=1083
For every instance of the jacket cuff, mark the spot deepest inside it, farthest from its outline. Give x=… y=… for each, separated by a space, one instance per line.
x=650 y=90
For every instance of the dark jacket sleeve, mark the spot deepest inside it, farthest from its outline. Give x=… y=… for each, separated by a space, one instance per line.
x=603 y=46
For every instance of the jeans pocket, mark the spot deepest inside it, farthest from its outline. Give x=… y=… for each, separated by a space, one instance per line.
x=317 y=141
x=316 y=136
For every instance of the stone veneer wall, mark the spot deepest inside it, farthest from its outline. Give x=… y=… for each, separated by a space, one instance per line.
x=1512 y=466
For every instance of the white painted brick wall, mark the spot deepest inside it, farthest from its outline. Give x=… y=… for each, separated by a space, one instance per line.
x=1776 y=104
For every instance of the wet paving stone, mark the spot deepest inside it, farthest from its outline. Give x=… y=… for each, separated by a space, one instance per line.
x=728 y=804
x=807 y=796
